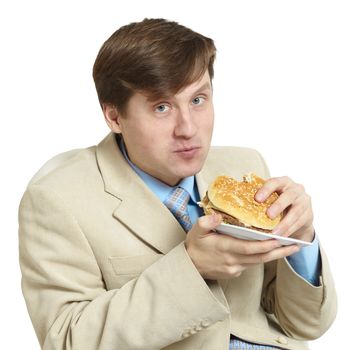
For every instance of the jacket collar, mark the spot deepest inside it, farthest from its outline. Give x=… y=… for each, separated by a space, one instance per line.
x=138 y=208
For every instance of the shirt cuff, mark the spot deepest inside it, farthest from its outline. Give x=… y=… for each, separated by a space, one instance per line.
x=307 y=262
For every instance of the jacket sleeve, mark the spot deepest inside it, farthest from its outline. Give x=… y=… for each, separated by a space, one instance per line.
x=67 y=300
x=302 y=310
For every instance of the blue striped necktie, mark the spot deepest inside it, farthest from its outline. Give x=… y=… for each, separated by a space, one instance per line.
x=176 y=202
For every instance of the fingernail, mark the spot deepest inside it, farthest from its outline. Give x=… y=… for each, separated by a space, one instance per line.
x=215 y=218
x=271 y=213
x=262 y=196
x=259 y=196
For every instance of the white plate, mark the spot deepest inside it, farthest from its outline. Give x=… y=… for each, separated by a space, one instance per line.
x=248 y=234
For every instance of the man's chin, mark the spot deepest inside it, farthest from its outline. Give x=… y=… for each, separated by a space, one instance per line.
x=193 y=170
x=186 y=168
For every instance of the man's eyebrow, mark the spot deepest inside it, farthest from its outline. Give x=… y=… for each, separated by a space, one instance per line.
x=151 y=99
x=205 y=86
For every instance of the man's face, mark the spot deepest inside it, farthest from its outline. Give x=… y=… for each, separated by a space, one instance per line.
x=170 y=138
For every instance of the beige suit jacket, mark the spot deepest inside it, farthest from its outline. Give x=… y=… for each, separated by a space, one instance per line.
x=104 y=266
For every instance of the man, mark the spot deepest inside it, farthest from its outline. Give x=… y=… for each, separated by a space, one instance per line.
x=106 y=264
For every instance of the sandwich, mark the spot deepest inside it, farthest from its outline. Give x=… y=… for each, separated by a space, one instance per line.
x=234 y=201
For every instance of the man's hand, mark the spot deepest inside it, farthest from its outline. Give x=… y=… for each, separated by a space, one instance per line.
x=219 y=256
x=295 y=204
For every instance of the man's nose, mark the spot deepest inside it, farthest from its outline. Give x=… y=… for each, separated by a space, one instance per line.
x=185 y=124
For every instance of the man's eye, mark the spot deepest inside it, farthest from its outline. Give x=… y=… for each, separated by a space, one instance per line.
x=198 y=100
x=162 y=108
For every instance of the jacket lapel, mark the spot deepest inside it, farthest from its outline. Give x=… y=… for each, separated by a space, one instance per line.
x=137 y=207
x=202 y=184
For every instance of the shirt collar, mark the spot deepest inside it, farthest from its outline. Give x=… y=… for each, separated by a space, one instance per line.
x=158 y=187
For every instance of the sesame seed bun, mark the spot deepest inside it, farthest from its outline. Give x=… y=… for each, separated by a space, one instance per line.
x=234 y=200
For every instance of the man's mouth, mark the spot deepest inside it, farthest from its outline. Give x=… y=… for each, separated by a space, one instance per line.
x=188 y=152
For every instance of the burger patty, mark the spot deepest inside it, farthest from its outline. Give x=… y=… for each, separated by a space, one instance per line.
x=228 y=219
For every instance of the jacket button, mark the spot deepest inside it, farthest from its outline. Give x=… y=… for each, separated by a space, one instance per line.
x=198 y=328
x=185 y=334
x=282 y=340
x=205 y=323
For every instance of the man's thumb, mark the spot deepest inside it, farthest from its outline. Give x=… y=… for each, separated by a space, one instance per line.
x=208 y=223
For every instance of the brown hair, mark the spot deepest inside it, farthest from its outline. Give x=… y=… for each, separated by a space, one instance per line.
x=155 y=56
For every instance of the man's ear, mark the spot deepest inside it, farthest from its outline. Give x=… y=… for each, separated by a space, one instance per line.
x=112 y=117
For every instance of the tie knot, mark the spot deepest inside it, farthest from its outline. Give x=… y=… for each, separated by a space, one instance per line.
x=178 y=199
x=176 y=202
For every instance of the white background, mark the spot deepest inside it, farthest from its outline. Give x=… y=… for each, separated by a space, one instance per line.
x=282 y=85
